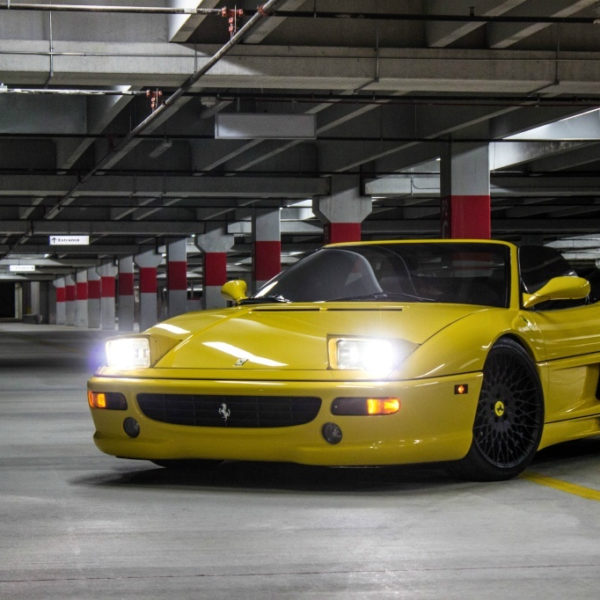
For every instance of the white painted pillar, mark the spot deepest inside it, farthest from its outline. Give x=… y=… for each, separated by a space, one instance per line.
x=61 y=301
x=34 y=298
x=148 y=263
x=344 y=210
x=81 y=299
x=94 y=291
x=70 y=290
x=126 y=310
x=107 y=274
x=177 y=277
x=266 y=229
x=465 y=191
x=215 y=245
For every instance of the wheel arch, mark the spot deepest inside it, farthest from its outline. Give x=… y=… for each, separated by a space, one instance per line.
x=530 y=353
x=520 y=341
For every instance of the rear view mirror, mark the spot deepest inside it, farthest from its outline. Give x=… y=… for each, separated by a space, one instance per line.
x=235 y=290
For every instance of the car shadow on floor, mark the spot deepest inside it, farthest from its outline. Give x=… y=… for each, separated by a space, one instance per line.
x=569 y=454
x=276 y=476
x=294 y=477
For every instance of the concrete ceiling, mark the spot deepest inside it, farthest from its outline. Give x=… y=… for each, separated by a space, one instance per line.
x=386 y=82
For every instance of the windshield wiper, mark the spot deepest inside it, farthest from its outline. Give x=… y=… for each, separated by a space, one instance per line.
x=264 y=300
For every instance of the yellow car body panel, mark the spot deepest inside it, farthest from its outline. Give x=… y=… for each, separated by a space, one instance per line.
x=408 y=436
x=279 y=350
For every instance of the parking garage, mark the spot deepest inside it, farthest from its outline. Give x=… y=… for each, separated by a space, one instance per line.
x=151 y=151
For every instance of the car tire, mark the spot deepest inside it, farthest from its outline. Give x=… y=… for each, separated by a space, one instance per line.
x=510 y=416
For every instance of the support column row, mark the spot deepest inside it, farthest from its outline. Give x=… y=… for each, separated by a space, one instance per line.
x=147 y=263
x=215 y=245
x=465 y=191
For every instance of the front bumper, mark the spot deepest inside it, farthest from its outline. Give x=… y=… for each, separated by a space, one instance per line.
x=433 y=423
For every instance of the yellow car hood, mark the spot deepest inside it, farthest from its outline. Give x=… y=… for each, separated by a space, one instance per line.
x=294 y=336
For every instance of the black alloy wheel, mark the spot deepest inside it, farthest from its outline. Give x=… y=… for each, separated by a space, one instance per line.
x=510 y=416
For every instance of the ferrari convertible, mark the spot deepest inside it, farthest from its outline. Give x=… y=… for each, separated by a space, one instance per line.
x=474 y=352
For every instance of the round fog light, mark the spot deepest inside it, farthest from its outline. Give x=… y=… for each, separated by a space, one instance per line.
x=332 y=433
x=131 y=427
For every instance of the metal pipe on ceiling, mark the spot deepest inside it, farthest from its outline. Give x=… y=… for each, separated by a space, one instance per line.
x=470 y=17
x=370 y=98
x=168 y=104
x=4 y=89
x=108 y=8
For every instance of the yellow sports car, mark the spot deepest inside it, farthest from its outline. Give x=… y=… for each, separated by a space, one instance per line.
x=368 y=353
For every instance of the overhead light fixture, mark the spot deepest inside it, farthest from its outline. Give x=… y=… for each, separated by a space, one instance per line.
x=244 y=126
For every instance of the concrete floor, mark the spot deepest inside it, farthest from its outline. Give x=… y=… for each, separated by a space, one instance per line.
x=76 y=524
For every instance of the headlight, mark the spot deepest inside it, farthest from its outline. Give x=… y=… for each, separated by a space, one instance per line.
x=128 y=353
x=377 y=356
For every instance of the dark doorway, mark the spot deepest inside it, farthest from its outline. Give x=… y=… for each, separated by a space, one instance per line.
x=7 y=300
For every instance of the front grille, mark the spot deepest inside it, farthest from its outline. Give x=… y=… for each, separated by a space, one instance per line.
x=229 y=411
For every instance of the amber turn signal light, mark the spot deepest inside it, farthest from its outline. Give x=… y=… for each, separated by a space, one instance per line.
x=107 y=400
x=365 y=406
x=382 y=406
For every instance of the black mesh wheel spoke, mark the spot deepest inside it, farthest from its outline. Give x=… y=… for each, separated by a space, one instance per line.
x=509 y=416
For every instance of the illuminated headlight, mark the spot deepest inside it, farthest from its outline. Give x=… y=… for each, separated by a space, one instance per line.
x=128 y=353
x=377 y=356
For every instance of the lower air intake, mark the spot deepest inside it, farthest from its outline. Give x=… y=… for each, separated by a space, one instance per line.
x=229 y=411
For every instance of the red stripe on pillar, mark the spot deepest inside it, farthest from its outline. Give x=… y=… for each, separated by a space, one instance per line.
x=342 y=232
x=177 y=275
x=108 y=287
x=94 y=289
x=148 y=280
x=61 y=294
x=467 y=217
x=215 y=268
x=267 y=260
x=82 y=290
x=70 y=292
x=125 y=284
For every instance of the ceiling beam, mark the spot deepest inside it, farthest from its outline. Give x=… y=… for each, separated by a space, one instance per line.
x=104 y=186
x=503 y=35
x=441 y=34
x=408 y=70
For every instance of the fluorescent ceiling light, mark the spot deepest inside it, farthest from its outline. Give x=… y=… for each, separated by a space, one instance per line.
x=244 y=126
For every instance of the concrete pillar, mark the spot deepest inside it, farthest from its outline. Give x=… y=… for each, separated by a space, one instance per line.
x=70 y=297
x=126 y=310
x=107 y=274
x=94 y=292
x=177 y=277
x=81 y=299
x=61 y=301
x=47 y=303
x=34 y=298
x=148 y=263
x=266 y=229
x=26 y=298
x=465 y=191
x=343 y=211
x=215 y=245
x=18 y=300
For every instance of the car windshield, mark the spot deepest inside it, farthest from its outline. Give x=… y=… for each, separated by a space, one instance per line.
x=467 y=273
